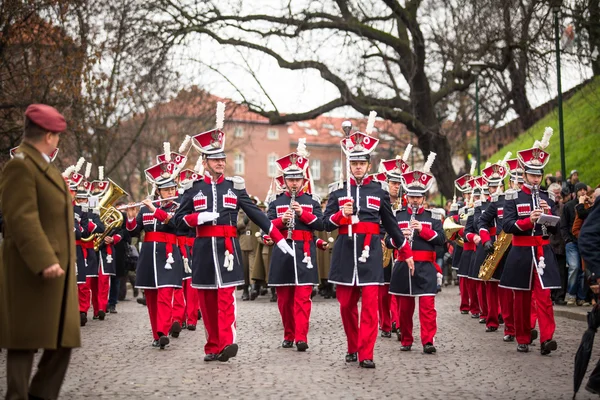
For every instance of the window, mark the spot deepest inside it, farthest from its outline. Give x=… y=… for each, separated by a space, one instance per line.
x=272 y=134
x=315 y=169
x=238 y=164
x=272 y=165
x=238 y=132
x=337 y=169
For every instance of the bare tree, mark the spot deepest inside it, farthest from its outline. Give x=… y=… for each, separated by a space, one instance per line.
x=377 y=54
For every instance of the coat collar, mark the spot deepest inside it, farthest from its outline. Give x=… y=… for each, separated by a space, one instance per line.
x=420 y=210
x=526 y=189
x=47 y=168
x=208 y=179
x=365 y=181
x=298 y=194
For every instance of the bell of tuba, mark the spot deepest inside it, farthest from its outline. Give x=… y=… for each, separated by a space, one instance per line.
x=109 y=215
x=450 y=228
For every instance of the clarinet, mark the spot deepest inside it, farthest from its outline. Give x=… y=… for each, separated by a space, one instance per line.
x=292 y=221
x=412 y=231
x=535 y=195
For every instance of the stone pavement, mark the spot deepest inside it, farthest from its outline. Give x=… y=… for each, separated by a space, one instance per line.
x=117 y=361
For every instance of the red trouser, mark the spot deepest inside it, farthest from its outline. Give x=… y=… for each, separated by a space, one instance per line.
x=534 y=311
x=507 y=306
x=385 y=308
x=85 y=295
x=294 y=304
x=523 y=311
x=361 y=336
x=491 y=291
x=100 y=287
x=395 y=308
x=481 y=298
x=463 y=285
x=178 y=306
x=218 y=308
x=160 y=309
x=427 y=318
x=191 y=302
x=473 y=301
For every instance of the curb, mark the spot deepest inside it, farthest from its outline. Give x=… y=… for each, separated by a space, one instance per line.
x=577 y=316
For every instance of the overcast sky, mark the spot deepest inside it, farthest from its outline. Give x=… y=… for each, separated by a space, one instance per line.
x=298 y=91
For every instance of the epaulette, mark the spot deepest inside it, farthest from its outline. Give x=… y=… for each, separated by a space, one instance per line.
x=478 y=203
x=332 y=187
x=471 y=212
x=496 y=197
x=511 y=194
x=19 y=155
x=435 y=214
x=462 y=210
x=315 y=197
x=238 y=182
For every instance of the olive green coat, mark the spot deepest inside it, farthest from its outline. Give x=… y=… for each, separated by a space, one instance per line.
x=38 y=232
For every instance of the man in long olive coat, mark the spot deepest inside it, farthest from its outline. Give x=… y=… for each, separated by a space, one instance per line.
x=38 y=290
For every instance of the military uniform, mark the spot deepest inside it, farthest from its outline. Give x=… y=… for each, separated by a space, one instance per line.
x=246 y=231
x=211 y=207
x=531 y=268
x=357 y=261
x=477 y=258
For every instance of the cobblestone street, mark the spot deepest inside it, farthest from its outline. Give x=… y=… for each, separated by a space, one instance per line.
x=117 y=361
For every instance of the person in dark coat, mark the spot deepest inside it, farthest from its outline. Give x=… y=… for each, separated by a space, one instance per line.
x=356 y=211
x=423 y=230
x=160 y=266
x=297 y=215
x=531 y=268
x=211 y=207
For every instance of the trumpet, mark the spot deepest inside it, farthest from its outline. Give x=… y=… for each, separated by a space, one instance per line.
x=125 y=207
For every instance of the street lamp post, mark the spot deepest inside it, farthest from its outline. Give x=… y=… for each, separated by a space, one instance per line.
x=476 y=68
x=556 y=5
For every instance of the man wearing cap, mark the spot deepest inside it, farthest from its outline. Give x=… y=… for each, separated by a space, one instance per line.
x=297 y=215
x=576 y=291
x=423 y=230
x=356 y=211
x=531 y=268
x=38 y=290
x=490 y=223
x=211 y=207
x=388 y=305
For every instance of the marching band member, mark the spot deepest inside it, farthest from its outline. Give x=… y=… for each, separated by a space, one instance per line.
x=423 y=230
x=160 y=266
x=388 y=304
x=531 y=268
x=469 y=246
x=481 y=192
x=356 y=265
x=488 y=225
x=91 y=290
x=211 y=206
x=457 y=210
x=297 y=215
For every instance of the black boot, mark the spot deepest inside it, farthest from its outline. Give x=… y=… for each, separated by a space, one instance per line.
x=245 y=294
x=273 y=295
x=254 y=291
x=82 y=319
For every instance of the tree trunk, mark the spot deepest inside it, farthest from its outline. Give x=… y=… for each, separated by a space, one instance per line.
x=594 y=33
x=442 y=168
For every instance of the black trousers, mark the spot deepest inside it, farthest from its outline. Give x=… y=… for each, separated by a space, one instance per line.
x=48 y=379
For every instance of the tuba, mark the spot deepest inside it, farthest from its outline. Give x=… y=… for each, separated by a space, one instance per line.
x=492 y=261
x=450 y=228
x=109 y=215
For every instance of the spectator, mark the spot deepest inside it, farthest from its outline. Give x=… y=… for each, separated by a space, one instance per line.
x=572 y=181
x=549 y=181
x=575 y=289
x=558 y=176
x=558 y=246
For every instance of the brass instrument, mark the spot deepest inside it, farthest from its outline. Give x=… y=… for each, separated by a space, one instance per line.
x=450 y=228
x=292 y=221
x=412 y=231
x=388 y=253
x=492 y=261
x=109 y=215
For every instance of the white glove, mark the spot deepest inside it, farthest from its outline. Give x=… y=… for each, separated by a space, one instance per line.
x=207 y=216
x=285 y=248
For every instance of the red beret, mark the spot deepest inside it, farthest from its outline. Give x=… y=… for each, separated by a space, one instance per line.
x=46 y=117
